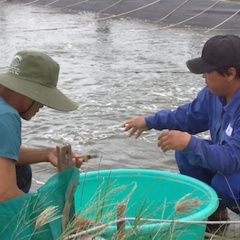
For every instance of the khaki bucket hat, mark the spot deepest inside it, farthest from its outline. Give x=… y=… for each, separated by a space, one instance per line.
x=35 y=75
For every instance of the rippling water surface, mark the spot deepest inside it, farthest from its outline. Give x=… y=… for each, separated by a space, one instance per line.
x=115 y=69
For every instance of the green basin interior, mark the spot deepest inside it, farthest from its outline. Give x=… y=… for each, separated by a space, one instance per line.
x=147 y=194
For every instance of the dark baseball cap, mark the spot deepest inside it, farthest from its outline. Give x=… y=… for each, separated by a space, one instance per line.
x=218 y=51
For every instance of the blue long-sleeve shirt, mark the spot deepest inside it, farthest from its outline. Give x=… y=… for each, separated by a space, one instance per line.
x=206 y=112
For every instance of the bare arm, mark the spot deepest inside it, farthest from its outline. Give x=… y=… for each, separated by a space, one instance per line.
x=36 y=155
x=8 y=185
x=33 y=155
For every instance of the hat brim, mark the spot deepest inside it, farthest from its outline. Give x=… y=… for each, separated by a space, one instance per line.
x=48 y=96
x=198 y=66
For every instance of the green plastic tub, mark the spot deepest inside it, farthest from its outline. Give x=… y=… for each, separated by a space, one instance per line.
x=148 y=194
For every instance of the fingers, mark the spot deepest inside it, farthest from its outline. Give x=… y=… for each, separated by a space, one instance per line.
x=78 y=162
x=163 y=141
x=135 y=126
x=125 y=126
x=174 y=140
x=129 y=126
x=133 y=131
x=76 y=159
x=139 y=132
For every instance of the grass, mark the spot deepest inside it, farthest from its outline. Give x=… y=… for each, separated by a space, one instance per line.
x=46 y=216
x=97 y=213
x=101 y=210
x=98 y=216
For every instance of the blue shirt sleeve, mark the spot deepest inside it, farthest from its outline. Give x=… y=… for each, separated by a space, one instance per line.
x=191 y=117
x=206 y=112
x=10 y=134
x=216 y=157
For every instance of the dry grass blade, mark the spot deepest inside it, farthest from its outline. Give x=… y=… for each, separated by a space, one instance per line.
x=81 y=223
x=186 y=205
x=47 y=216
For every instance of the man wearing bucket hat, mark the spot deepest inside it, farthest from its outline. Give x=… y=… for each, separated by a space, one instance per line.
x=217 y=109
x=29 y=84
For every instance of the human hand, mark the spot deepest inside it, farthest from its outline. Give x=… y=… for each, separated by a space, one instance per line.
x=173 y=140
x=135 y=125
x=77 y=160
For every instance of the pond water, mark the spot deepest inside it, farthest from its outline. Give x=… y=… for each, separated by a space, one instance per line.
x=115 y=69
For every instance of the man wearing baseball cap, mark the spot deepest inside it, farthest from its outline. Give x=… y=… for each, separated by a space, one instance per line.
x=215 y=109
x=29 y=84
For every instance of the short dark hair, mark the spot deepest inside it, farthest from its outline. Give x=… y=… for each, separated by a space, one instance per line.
x=224 y=70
